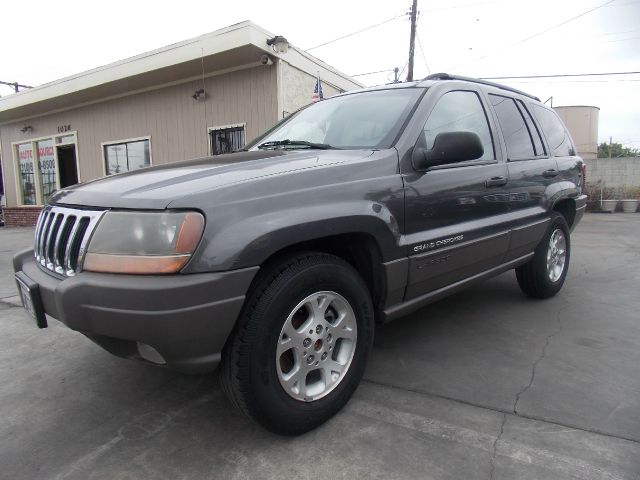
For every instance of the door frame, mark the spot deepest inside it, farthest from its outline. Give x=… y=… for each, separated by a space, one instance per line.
x=75 y=151
x=34 y=149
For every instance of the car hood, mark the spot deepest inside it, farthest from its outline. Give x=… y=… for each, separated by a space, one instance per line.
x=156 y=187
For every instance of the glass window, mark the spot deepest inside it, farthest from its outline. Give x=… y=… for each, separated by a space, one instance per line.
x=27 y=177
x=126 y=156
x=514 y=130
x=226 y=140
x=459 y=111
x=47 y=167
x=360 y=120
x=66 y=139
x=533 y=130
x=559 y=140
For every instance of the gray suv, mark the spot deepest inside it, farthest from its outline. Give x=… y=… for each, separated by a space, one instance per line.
x=277 y=261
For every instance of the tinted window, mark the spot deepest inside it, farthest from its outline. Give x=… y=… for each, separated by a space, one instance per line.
x=514 y=130
x=533 y=130
x=559 y=141
x=459 y=112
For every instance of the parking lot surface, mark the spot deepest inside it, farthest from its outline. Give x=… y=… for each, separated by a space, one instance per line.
x=486 y=384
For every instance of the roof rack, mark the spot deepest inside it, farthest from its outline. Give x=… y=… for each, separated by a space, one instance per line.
x=447 y=76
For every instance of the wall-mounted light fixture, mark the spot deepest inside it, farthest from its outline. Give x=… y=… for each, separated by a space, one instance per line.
x=278 y=43
x=27 y=129
x=199 y=95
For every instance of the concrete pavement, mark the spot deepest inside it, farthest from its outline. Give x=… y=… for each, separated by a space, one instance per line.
x=486 y=384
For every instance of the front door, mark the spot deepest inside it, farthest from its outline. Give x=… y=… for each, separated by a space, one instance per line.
x=456 y=216
x=67 y=165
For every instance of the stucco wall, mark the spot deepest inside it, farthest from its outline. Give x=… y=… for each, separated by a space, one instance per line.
x=176 y=123
x=614 y=173
x=298 y=86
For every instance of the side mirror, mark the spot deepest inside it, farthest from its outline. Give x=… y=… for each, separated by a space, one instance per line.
x=448 y=147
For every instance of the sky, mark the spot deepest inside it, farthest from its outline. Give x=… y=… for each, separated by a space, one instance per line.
x=478 y=38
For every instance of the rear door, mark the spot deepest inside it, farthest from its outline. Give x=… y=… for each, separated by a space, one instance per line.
x=455 y=215
x=531 y=173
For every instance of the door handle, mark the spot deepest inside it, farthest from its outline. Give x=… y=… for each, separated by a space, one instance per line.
x=495 y=182
x=550 y=173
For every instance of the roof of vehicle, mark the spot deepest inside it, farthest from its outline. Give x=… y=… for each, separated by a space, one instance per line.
x=437 y=77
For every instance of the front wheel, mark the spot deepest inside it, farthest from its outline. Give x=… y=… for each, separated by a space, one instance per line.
x=544 y=275
x=301 y=344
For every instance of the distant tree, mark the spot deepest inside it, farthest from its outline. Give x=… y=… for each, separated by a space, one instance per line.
x=617 y=150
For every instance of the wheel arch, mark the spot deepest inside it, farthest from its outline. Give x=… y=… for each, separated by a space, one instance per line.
x=359 y=249
x=567 y=208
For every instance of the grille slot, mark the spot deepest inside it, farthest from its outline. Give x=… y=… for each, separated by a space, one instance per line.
x=61 y=238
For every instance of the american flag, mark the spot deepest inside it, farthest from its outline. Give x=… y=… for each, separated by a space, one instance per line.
x=317 y=92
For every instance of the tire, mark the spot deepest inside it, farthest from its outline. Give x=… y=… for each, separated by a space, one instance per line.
x=259 y=362
x=538 y=279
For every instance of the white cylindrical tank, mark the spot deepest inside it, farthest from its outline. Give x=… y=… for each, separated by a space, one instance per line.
x=582 y=122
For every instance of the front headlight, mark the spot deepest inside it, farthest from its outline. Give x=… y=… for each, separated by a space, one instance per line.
x=143 y=242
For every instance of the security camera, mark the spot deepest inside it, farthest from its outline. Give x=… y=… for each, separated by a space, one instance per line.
x=266 y=60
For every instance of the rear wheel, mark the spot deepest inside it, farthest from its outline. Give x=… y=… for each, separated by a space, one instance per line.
x=301 y=344
x=544 y=275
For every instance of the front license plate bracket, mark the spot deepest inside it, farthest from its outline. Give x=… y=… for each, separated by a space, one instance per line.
x=31 y=300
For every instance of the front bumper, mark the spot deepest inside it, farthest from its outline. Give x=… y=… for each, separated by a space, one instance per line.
x=185 y=318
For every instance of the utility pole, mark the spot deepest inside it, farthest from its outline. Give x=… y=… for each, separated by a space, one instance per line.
x=610 y=145
x=412 y=40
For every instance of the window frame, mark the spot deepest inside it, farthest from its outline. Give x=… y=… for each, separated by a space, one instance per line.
x=516 y=101
x=120 y=142
x=490 y=125
x=34 y=149
x=242 y=125
x=520 y=104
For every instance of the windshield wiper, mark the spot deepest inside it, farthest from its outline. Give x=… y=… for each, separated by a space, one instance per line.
x=295 y=143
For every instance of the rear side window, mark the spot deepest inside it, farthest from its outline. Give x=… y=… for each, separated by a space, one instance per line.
x=533 y=130
x=557 y=136
x=514 y=129
x=459 y=111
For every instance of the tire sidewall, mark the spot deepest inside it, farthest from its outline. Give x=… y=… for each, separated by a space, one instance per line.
x=273 y=403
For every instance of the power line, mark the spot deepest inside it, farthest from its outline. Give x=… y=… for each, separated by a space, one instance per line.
x=546 y=30
x=15 y=85
x=561 y=75
x=466 y=5
x=371 y=73
x=424 y=57
x=577 y=81
x=354 y=33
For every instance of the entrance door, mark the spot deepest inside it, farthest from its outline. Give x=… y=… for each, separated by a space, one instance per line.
x=67 y=166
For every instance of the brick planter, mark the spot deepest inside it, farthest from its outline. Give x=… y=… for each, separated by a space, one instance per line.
x=21 y=216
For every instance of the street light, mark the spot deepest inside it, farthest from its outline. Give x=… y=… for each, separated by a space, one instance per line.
x=278 y=43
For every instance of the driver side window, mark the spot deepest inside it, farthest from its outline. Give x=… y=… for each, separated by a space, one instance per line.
x=459 y=111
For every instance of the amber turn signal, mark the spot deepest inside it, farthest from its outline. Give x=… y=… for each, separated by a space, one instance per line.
x=134 y=264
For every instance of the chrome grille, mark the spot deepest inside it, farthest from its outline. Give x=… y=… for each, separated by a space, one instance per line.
x=61 y=238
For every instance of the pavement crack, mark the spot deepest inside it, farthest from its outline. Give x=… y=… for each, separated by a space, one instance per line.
x=534 y=367
x=495 y=447
x=8 y=305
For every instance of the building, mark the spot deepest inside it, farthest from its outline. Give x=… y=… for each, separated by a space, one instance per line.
x=206 y=95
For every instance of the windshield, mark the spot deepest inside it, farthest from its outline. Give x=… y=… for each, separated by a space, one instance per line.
x=369 y=120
